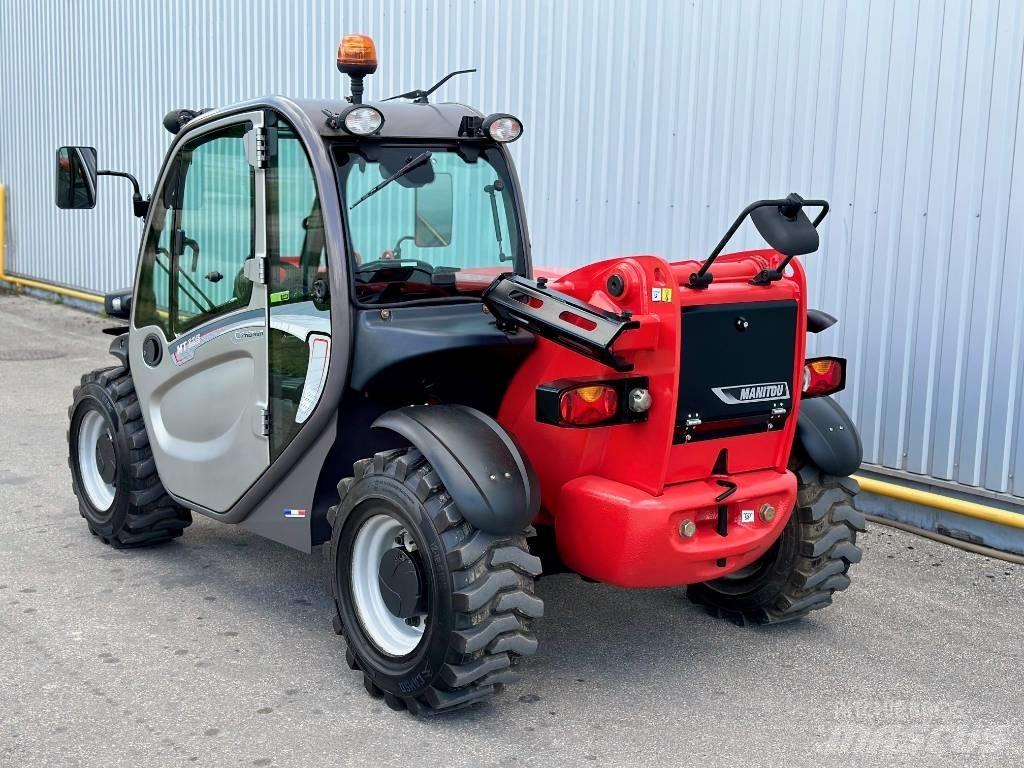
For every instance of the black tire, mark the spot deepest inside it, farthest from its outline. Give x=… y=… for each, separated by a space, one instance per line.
x=141 y=512
x=479 y=590
x=805 y=567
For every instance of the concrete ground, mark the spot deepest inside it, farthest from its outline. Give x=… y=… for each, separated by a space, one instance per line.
x=217 y=649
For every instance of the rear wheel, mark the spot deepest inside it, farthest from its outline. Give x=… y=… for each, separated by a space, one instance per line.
x=435 y=612
x=112 y=469
x=805 y=567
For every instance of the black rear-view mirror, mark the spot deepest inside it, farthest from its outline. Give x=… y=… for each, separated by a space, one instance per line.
x=76 y=177
x=786 y=228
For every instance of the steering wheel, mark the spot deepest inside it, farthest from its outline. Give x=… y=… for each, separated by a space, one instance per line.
x=397 y=250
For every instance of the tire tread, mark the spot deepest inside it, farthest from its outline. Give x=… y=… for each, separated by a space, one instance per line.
x=153 y=517
x=493 y=599
x=828 y=524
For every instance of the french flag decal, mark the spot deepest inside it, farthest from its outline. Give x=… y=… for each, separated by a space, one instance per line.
x=295 y=513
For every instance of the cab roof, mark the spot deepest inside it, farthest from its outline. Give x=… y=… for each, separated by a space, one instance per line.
x=402 y=119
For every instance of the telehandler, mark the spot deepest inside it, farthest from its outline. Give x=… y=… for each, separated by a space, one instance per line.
x=336 y=337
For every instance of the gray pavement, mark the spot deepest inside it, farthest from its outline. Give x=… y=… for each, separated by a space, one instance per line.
x=217 y=649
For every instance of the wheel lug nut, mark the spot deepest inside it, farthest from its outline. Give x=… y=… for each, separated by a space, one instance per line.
x=687 y=529
x=766 y=513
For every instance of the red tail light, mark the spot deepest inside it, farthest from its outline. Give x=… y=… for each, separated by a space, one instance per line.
x=824 y=376
x=594 y=404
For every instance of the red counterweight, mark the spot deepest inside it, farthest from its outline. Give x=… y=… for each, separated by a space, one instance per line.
x=618 y=494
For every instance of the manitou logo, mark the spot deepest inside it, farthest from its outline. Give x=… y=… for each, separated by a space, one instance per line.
x=752 y=393
x=763 y=392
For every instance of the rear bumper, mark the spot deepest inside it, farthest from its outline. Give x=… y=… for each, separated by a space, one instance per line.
x=621 y=535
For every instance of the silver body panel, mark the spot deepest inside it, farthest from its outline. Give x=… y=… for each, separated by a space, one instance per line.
x=203 y=402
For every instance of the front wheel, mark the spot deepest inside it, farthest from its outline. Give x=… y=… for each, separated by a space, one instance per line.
x=804 y=567
x=112 y=469
x=435 y=612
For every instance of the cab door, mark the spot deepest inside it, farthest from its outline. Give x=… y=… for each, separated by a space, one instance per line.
x=198 y=347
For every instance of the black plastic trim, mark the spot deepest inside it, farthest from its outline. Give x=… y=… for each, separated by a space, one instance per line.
x=829 y=437
x=818 y=321
x=481 y=466
x=415 y=333
x=152 y=350
x=119 y=349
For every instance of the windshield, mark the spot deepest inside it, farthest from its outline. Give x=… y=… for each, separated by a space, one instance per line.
x=444 y=226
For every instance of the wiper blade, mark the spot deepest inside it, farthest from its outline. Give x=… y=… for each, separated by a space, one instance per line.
x=419 y=160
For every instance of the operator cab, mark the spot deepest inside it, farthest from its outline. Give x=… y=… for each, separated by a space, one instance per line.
x=301 y=260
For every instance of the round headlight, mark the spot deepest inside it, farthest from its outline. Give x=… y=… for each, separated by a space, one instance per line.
x=503 y=128
x=362 y=121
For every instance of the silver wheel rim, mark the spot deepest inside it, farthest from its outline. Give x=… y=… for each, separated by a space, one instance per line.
x=101 y=493
x=391 y=634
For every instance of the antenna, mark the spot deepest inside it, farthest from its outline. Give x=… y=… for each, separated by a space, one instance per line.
x=420 y=96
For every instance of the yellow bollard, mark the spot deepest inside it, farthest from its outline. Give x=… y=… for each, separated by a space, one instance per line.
x=37 y=284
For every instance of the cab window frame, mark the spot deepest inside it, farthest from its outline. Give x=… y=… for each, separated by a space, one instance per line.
x=520 y=265
x=179 y=328
x=166 y=202
x=285 y=348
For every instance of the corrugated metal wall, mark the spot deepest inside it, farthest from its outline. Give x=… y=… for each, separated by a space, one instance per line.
x=648 y=126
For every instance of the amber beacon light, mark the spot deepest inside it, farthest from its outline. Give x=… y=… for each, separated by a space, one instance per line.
x=357 y=57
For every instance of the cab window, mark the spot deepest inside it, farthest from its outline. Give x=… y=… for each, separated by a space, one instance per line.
x=298 y=339
x=201 y=233
x=443 y=229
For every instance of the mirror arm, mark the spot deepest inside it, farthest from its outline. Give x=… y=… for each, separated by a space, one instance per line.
x=139 y=206
x=124 y=175
x=822 y=214
x=702 y=279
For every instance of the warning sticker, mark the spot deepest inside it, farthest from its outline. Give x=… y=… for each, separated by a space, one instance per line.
x=747 y=516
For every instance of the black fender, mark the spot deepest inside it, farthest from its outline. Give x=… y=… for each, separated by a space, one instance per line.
x=829 y=437
x=483 y=469
x=119 y=348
